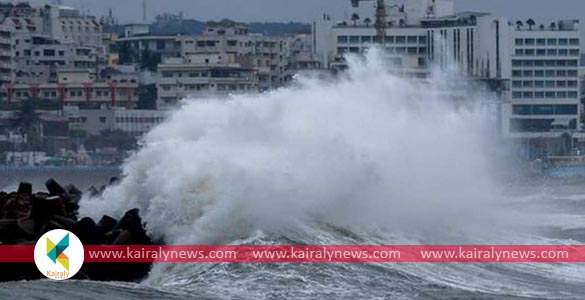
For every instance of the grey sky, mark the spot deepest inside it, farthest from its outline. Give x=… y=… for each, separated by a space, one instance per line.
x=308 y=10
x=543 y=11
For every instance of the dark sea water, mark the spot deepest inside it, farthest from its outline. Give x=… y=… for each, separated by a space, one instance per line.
x=563 y=222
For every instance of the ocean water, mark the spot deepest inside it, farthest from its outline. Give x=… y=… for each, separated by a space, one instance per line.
x=366 y=158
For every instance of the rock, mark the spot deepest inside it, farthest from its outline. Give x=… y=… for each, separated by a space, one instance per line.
x=28 y=226
x=107 y=223
x=124 y=238
x=114 y=180
x=44 y=208
x=71 y=189
x=9 y=231
x=92 y=191
x=54 y=188
x=25 y=188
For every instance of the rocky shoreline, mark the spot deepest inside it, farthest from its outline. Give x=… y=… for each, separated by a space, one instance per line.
x=25 y=216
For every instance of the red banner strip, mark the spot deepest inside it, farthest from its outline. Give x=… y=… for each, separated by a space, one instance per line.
x=316 y=253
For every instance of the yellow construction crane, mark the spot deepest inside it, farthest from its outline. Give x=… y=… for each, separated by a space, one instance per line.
x=381 y=15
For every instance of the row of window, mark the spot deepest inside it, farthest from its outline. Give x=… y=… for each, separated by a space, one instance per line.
x=544 y=73
x=392 y=50
x=545 y=83
x=547 y=42
x=541 y=63
x=541 y=125
x=545 y=109
x=547 y=52
x=543 y=95
x=72 y=93
x=391 y=39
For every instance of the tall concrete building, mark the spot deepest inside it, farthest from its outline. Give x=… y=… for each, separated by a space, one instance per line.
x=6 y=54
x=545 y=98
x=48 y=38
x=202 y=75
x=267 y=54
x=533 y=69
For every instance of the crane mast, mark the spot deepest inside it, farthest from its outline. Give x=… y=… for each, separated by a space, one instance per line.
x=381 y=15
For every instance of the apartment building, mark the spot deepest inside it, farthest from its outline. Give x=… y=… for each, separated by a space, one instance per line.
x=268 y=55
x=200 y=76
x=76 y=87
x=132 y=121
x=546 y=99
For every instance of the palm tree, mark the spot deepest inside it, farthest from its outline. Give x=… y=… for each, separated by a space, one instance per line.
x=402 y=23
x=28 y=122
x=355 y=17
x=367 y=21
x=530 y=23
x=553 y=26
x=519 y=24
x=541 y=27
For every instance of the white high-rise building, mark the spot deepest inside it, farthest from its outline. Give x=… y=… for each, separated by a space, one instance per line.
x=545 y=99
x=533 y=69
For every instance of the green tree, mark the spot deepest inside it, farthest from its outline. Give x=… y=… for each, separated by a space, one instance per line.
x=149 y=60
x=367 y=21
x=530 y=23
x=355 y=17
x=147 y=96
x=553 y=26
x=27 y=122
x=519 y=24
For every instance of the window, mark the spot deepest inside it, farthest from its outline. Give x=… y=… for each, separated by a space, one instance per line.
x=551 y=52
x=528 y=63
x=539 y=95
x=550 y=95
x=366 y=39
x=561 y=94
x=539 y=63
x=412 y=39
x=550 y=73
x=400 y=39
x=527 y=84
x=529 y=42
x=528 y=95
x=49 y=52
x=516 y=63
x=539 y=73
x=422 y=39
x=540 y=42
x=528 y=51
x=572 y=83
x=389 y=39
x=561 y=73
x=412 y=50
x=550 y=83
x=516 y=83
x=539 y=83
x=517 y=95
x=102 y=119
x=527 y=73
x=563 y=52
x=551 y=42
x=541 y=52
x=572 y=73
x=561 y=83
x=574 y=42
x=572 y=94
x=574 y=52
x=565 y=109
x=516 y=73
x=519 y=52
x=563 y=42
x=519 y=42
x=342 y=39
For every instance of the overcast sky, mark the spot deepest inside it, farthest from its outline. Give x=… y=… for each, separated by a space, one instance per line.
x=543 y=11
